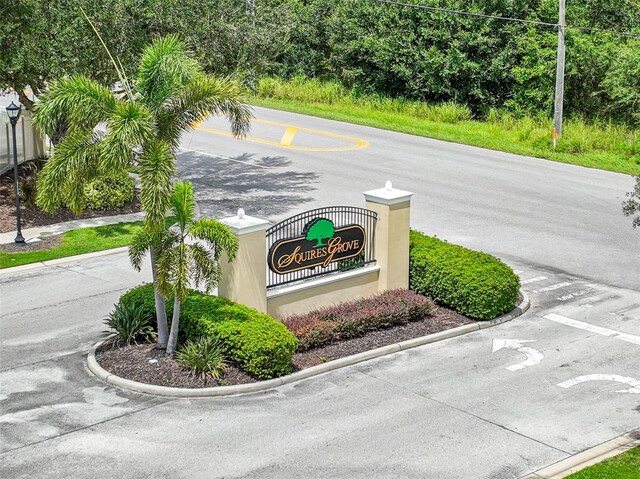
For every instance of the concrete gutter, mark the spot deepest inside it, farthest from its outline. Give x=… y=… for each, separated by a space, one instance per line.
x=106 y=376
x=587 y=458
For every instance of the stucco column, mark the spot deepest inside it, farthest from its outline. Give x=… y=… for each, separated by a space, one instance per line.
x=392 y=234
x=244 y=280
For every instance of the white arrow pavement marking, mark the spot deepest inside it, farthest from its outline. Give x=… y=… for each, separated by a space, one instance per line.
x=634 y=383
x=630 y=338
x=533 y=356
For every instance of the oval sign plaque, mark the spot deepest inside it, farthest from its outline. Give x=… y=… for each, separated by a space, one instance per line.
x=319 y=245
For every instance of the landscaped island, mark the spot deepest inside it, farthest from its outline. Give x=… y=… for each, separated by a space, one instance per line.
x=450 y=286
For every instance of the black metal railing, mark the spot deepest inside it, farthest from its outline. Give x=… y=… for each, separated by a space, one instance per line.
x=341 y=216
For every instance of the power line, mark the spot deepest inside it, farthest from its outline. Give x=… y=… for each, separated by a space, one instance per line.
x=506 y=19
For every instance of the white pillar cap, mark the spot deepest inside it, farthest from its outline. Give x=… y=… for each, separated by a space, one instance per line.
x=387 y=195
x=242 y=224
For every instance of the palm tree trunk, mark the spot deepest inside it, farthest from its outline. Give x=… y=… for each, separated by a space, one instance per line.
x=175 y=320
x=161 y=311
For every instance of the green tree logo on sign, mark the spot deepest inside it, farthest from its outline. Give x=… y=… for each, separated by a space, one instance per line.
x=318 y=230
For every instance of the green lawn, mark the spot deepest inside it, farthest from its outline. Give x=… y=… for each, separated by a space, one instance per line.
x=85 y=240
x=604 y=146
x=623 y=466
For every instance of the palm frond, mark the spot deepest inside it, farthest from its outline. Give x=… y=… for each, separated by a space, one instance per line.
x=183 y=204
x=81 y=101
x=140 y=246
x=166 y=265
x=219 y=237
x=156 y=169
x=165 y=67
x=203 y=96
x=73 y=164
x=173 y=271
x=205 y=270
x=181 y=281
x=129 y=126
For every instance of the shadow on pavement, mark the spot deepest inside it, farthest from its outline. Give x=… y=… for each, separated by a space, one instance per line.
x=263 y=187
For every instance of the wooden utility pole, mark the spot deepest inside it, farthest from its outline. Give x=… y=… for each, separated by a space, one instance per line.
x=557 y=110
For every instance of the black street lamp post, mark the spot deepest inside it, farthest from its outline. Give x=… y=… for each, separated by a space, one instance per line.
x=13 y=111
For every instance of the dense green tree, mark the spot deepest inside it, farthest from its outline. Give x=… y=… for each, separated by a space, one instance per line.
x=622 y=81
x=435 y=56
x=44 y=40
x=226 y=35
x=371 y=47
x=41 y=41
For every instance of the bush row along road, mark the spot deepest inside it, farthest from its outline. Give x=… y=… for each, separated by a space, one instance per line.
x=459 y=408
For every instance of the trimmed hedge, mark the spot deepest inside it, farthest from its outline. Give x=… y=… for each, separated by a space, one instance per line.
x=109 y=192
x=142 y=297
x=356 y=318
x=258 y=343
x=475 y=284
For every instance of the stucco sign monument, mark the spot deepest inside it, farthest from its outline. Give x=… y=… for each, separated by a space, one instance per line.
x=320 y=257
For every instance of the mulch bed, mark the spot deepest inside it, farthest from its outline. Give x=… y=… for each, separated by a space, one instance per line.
x=47 y=242
x=31 y=216
x=132 y=362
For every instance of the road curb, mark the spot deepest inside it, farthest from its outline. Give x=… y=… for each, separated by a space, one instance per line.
x=260 y=386
x=589 y=457
x=59 y=261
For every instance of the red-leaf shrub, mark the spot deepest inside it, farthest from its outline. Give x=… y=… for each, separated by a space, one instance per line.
x=356 y=318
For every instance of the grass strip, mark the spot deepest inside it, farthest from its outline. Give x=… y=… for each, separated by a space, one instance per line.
x=75 y=242
x=622 y=466
x=604 y=146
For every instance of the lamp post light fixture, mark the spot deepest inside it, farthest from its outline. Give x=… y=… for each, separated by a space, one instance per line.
x=13 y=111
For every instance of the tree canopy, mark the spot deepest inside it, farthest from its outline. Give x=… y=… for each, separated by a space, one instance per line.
x=369 y=46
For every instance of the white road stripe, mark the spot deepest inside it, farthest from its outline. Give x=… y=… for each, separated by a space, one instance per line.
x=225 y=158
x=552 y=287
x=533 y=280
x=630 y=338
x=634 y=383
x=533 y=356
x=575 y=294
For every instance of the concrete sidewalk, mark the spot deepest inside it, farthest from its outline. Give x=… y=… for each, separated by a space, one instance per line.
x=31 y=234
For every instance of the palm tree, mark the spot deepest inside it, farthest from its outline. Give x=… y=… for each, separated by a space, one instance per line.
x=170 y=94
x=181 y=263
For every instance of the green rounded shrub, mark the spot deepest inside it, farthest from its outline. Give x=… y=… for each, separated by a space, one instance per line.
x=143 y=298
x=259 y=344
x=109 y=192
x=472 y=283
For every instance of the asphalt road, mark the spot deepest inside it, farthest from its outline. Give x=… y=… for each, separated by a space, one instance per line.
x=455 y=409
x=526 y=209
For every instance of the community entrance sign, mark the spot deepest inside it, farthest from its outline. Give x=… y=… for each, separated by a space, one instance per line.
x=319 y=242
x=320 y=257
x=319 y=245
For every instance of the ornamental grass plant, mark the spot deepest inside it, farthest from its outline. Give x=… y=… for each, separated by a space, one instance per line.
x=203 y=357
x=130 y=323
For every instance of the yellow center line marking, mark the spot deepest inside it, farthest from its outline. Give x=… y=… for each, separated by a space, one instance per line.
x=287 y=138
